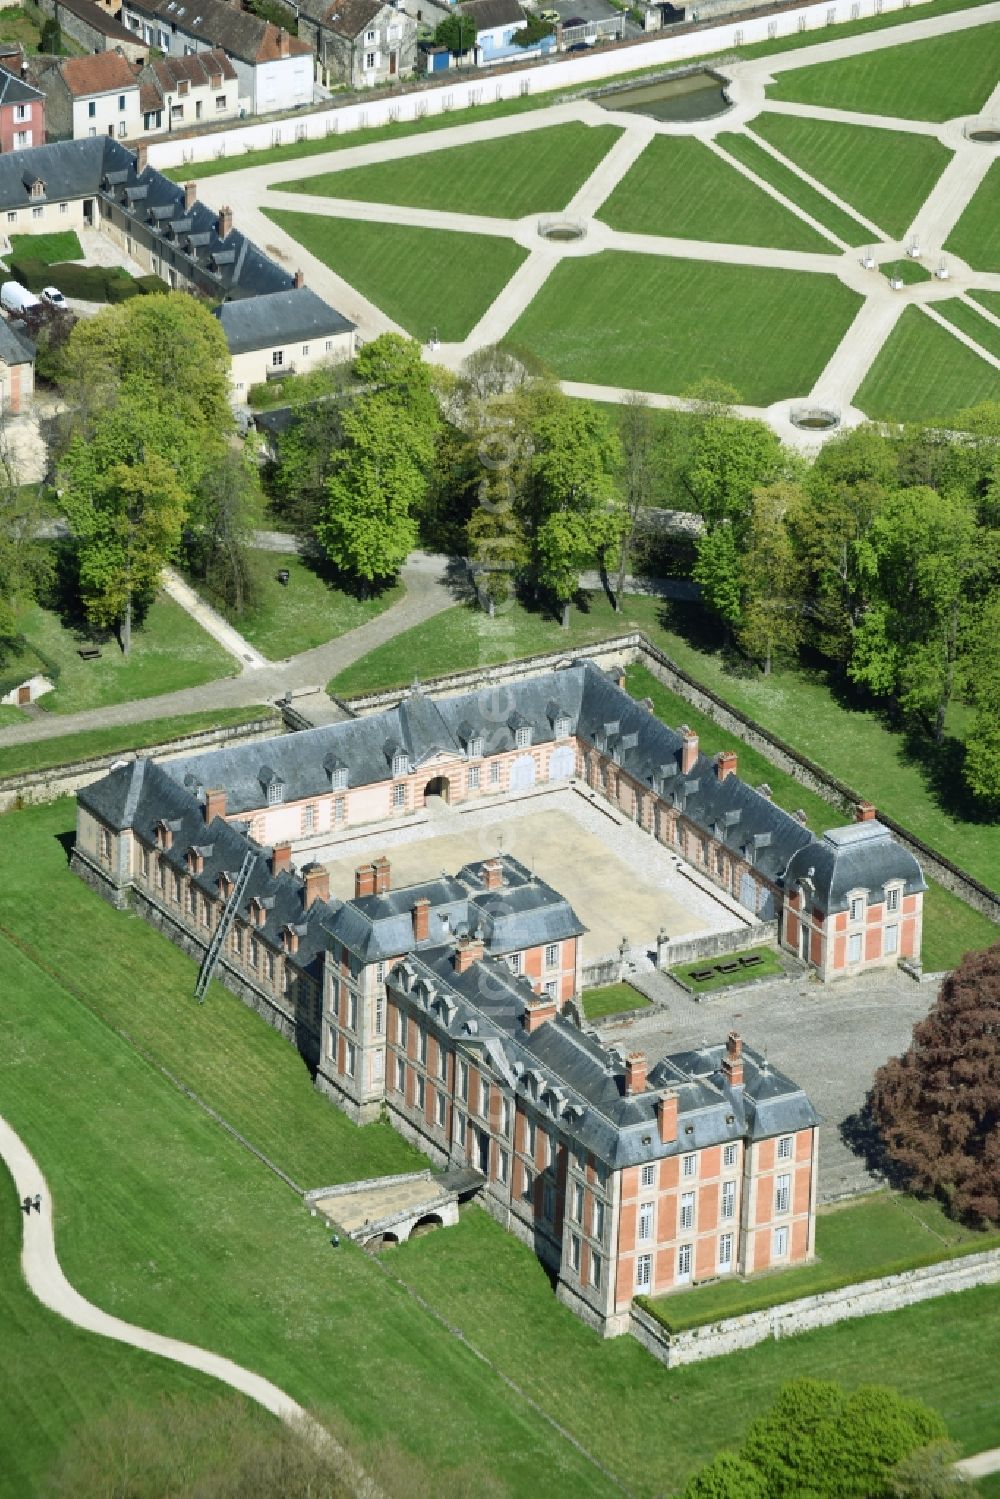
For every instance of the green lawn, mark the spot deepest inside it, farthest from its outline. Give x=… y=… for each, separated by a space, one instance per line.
x=767 y=966
x=922 y=374
x=612 y=999
x=537 y=172
x=907 y=270
x=56 y=1377
x=745 y=149
x=882 y=1234
x=484 y=1283
x=975 y=236
x=422 y=278
x=306 y=612
x=884 y=174
x=63 y=244
x=936 y=79
x=169 y=651
x=980 y=329
x=679 y=187
x=42 y=754
x=988 y=299
x=665 y=324
x=10 y=715
x=23 y=23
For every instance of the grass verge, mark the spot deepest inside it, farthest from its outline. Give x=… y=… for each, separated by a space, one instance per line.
x=883 y=1234
x=751 y=153
x=537 y=172
x=62 y=244
x=421 y=278
x=767 y=964
x=968 y=321
x=679 y=187
x=680 y=329
x=612 y=999
x=937 y=78
x=922 y=374
x=974 y=237
x=90 y=744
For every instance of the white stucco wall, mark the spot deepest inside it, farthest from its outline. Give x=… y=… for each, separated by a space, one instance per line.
x=253 y=368
x=108 y=118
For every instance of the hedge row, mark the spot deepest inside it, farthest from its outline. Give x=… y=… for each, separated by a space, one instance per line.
x=89 y=283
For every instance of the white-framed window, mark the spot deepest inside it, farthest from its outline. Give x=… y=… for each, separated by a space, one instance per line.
x=275 y=793
x=643 y=1272
x=350 y=1058
x=369 y=36
x=891 y=940
x=472 y=778
x=463 y=1079
x=529 y=1137
x=503 y=1165
x=574 y=1252
x=328 y=346
x=20 y=112
x=548 y=1149
x=220 y=103
x=515 y=962
x=420 y=1091
x=22 y=138
x=442 y=1062
x=527 y=1183
x=522 y=738
x=399 y=795
x=277 y=358
x=687 y=1210
x=308 y=818
x=597 y=1219
x=460 y=1128
x=728 y=1207
x=780 y=1243
x=504 y=1116
x=92 y=110
x=782 y=1194
x=402 y=1024
x=576 y=1212
x=785 y=1148
x=857 y=908
x=645 y=1221
x=305 y=349
x=892 y=898
x=36 y=213
x=106 y=847
x=338 y=778
x=441 y=1109
x=552 y=955
x=369 y=61
x=484 y=1098
x=648 y=1176
x=689 y=1165
x=422 y=1047
x=379 y=1011
x=725 y=1251
x=352 y=1011
x=12 y=217
x=339 y=811
x=595 y=1270
x=122 y=129
x=684 y=1260
x=475 y=747
x=495 y=772
x=730 y=1154
x=552 y=989
x=854 y=948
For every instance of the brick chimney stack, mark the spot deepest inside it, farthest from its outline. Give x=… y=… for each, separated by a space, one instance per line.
x=317 y=883
x=421 y=918
x=537 y=1012
x=190 y=195
x=141 y=159
x=732 y=1062
x=689 y=749
x=215 y=805
x=383 y=875
x=364 y=880
x=493 y=873
x=299 y=279
x=864 y=812
x=281 y=858
x=282 y=42
x=666 y=1117
x=468 y=951
x=635 y=1073
x=725 y=764
x=225 y=225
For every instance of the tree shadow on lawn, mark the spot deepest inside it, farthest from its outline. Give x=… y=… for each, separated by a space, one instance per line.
x=861 y=1135
x=61 y=596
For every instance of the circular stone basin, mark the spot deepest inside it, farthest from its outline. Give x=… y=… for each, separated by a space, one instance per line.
x=697 y=95
x=561 y=233
x=813 y=418
x=985 y=137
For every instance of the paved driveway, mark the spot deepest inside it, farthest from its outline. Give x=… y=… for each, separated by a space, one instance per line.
x=828 y=1037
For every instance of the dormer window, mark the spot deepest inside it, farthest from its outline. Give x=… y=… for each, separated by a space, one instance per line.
x=400 y=764
x=275 y=793
x=857 y=907
x=892 y=898
x=561 y=727
x=612 y=727
x=522 y=737
x=475 y=749
x=338 y=778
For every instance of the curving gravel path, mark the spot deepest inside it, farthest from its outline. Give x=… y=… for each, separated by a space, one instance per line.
x=47 y=1282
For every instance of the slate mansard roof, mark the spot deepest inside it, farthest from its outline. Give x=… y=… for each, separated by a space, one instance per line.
x=597 y=711
x=569 y=1073
x=280 y=317
x=237 y=31
x=864 y=856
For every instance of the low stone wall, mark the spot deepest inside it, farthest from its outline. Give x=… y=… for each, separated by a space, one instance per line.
x=864 y=1299
x=600 y=972
x=34 y=786
x=717 y=944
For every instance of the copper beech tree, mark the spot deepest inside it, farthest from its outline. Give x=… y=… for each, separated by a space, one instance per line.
x=937 y=1106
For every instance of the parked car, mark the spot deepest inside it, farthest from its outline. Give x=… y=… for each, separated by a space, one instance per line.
x=17 y=298
x=582 y=46
x=54 y=297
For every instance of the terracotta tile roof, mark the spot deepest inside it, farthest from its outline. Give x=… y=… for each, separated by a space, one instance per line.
x=100 y=74
x=200 y=70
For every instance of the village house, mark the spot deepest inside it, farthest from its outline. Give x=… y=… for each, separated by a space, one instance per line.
x=177 y=92
x=22 y=113
x=359 y=42
x=91 y=96
x=274 y=69
x=17 y=373
x=497 y=22
x=95 y=26
x=282 y=333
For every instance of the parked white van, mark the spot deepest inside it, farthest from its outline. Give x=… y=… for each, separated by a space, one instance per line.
x=17 y=298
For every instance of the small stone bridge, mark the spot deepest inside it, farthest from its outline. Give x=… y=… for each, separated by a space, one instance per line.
x=390 y=1209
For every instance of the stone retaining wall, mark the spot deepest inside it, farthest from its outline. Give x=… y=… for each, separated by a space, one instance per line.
x=34 y=786
x=864 y=1299
x=717 y=944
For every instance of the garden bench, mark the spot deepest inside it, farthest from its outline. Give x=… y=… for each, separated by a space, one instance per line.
x=89 y=652
x=727 y=967
x=697 y=974
x=750 y=960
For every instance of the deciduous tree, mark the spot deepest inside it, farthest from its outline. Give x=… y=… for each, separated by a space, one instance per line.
x=937 y=1106
x=219 y=535
x=638 y=475
x=771 y=612
x=368 y=527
